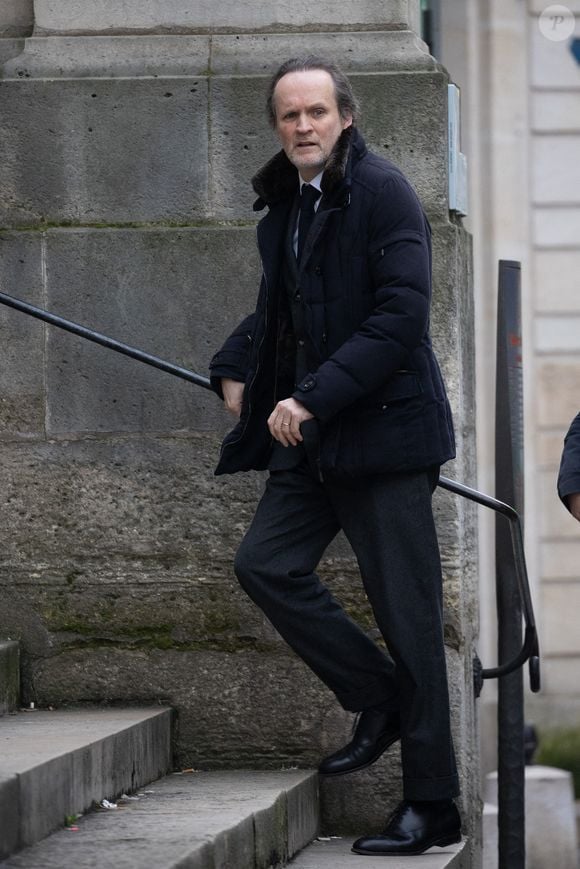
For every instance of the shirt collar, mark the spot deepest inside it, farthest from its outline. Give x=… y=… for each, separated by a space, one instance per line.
x=316 y=182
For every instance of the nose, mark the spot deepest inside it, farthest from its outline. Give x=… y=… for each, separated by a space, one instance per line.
x=303 y=124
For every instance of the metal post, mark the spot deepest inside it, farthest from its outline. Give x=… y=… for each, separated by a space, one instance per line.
x=509 y=488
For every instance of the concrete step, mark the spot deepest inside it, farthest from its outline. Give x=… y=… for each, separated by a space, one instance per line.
x=335 y=853
x=56 y=764
x=198 y=820
x=9 y=676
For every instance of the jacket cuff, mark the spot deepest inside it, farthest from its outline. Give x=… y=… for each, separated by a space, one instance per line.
x=218 y=373
x=306 y=394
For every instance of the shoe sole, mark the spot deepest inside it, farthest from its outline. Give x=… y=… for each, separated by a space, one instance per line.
x=442 y=842
x=370 y=762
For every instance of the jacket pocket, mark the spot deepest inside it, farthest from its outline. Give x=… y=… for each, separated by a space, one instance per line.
x=382 y=432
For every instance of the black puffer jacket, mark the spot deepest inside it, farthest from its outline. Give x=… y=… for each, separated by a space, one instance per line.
x=365 y=281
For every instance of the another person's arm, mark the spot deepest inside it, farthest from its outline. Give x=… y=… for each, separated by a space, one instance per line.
x=569 y=474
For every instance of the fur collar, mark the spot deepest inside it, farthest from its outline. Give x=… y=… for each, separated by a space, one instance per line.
x=277 y=179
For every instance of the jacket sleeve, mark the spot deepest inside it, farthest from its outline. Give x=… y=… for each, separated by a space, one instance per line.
x=399 y=259
x=233 y=359
x=569 y=474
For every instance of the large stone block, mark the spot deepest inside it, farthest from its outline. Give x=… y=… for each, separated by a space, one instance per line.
x=167 y=16
x=557 y=334
x=118 y=151
x=355 y=52
x=560 y=635
x=199 y=55
x=555 y=169
x=556 y=391
x=555 y=284
x=561 y=560
x=16 y=18
x=103 y=151
x=556 y=227
x=556 y=112
x=22 y=354
x=176 y=293
x=241 y=141
x=109 y=57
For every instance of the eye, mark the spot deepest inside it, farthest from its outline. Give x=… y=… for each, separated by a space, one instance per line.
x=318 y=113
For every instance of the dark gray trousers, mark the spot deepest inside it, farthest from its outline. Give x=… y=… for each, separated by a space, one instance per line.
x=388 y=521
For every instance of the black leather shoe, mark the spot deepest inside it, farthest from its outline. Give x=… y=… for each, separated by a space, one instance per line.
x=413 y=828
x=374 y=732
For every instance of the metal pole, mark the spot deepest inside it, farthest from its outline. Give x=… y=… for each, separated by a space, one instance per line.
x=509 y=488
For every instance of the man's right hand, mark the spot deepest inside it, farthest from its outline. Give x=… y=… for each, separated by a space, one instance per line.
x=233 y=391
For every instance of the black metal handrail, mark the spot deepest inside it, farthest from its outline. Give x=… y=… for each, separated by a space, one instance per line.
x=529 y=651
x=530 y=648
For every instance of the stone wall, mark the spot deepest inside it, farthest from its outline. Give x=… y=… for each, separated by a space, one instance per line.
x=125 y=162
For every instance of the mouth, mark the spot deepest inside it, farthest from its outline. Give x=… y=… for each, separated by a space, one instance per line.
x=301 y=145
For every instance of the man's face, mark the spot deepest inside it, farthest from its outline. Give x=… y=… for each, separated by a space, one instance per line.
x=308 y=122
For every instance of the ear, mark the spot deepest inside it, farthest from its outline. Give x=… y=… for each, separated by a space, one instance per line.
x=347 y=122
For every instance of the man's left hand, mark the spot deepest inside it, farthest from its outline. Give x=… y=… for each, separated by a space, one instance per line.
x=284 y=421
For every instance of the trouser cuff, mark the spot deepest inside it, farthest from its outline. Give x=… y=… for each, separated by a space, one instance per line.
x=375 y=694
x=431 y=788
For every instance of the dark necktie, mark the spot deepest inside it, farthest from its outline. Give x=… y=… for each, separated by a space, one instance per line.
x=308 y=198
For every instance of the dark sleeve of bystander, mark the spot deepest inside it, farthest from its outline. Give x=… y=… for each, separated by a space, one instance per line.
x=569 y=474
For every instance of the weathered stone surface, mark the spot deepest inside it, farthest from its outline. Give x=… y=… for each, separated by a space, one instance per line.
x=16 y=18
x=176 y=293
x=103 y=151
x=200 y=55
x=166 y=16
x=231 y=706
x=21 y=338
x=242 y=819
x=109 y=57
x=78 y=757
x=360 y=51
x=9 y=676
x=130 y=541
x=10 y=48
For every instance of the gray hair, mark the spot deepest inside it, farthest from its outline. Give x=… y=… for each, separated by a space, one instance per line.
x=348 y=105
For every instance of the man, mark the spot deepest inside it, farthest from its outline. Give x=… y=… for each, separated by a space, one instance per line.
x=569 y=474
x=338 y=393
